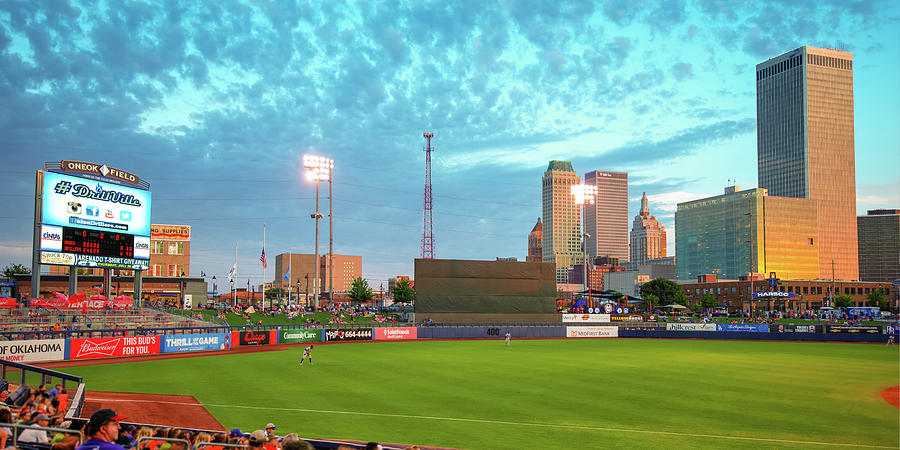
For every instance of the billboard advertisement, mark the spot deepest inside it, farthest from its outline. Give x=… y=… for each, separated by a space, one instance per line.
x=632 y=317
x=290 y=336
x=395 y=334
x=253 y=337
x=94 y=205
x=348 y=334
x=33 y=350
x=116 y=346
x=195 y=342
x=585 y=318
x=743 y=327
x=862 y=329
x=592 y=332
x=691 y=327
x=791 y=328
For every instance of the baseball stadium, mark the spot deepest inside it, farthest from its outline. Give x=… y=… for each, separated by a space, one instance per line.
x=450 y=377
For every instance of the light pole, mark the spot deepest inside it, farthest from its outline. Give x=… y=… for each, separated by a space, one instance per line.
x=318 y=168
x=584 y=193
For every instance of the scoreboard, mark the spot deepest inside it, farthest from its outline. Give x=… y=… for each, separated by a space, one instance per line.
x=92 y=223
x=97 y=243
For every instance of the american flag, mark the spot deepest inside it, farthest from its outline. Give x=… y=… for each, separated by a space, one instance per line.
x=262 y=258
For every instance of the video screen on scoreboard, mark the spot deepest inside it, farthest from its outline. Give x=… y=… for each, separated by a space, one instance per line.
x=90 y=223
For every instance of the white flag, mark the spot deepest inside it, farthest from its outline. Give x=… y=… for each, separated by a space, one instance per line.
x=232 y=273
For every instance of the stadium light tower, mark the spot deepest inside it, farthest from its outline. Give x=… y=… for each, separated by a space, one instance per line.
x=584 y=193
x=318 y=168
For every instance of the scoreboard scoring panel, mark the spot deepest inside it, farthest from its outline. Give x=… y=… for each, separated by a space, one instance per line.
x=97 y=243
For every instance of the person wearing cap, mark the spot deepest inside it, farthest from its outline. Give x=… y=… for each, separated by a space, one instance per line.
x=103 y=430
x=258 y=439
x=33 y=434
x=270 y=429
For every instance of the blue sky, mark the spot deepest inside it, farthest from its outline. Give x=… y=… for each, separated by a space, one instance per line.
x=214 y=103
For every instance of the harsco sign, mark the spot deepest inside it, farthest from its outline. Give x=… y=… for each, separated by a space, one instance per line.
x=300 y=336
x=773 y=294
x=195 y=342
x=32 y=351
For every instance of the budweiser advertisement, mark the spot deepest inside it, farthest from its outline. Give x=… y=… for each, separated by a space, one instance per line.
x=253 y=337
x=110 y=347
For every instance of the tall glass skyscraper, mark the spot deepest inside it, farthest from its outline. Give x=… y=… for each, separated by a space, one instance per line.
x=805 y=147
x=562 y=219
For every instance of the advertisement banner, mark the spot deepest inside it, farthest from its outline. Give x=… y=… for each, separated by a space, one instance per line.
x=632 y=317
x=592 y=332
x=117 y=346
x=866 y=311
x=288 y=336
x=585 y=317
x=743 y=327
x=348 y=334
x=862 y=329
x=790 y=328
x=395 y=334
x=691 y=327
x=110 y=262
x=95 y=205
x=195 y=342
x=251 y=337
x=33 y=350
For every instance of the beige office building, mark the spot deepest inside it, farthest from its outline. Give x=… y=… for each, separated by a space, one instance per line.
x=805 y=145
x=561 y=219
x=606 y=221
x=648 y=236
x=299 y=271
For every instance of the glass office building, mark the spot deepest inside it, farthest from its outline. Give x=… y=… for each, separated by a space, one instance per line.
x=740 y=232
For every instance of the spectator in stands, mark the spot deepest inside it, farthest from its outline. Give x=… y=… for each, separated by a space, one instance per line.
x=5 y=433
x=296 y=444
x=103 y=429
x=258 y=439
x=33 y=434
x=373 y=446
x=270 y=429
x=56 y=389
x=69 y=442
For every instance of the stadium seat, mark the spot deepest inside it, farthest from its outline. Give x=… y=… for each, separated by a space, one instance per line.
x=18 y=397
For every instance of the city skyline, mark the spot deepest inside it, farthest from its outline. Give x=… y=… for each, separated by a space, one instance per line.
x=217 y=113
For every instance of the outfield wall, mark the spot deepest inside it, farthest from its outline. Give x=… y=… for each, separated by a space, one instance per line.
x=153 y=344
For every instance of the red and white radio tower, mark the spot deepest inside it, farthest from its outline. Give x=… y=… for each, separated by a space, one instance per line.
x=427 y=231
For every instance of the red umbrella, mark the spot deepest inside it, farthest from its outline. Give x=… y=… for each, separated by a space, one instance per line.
x=77 y=298
x=98 y=297
x=60 y=296
x=123 y=297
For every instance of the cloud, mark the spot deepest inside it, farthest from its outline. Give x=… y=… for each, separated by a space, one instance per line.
x=681 y=144
x=682 y=71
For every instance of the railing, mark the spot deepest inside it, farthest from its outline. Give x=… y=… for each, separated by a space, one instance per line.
x=16 y=428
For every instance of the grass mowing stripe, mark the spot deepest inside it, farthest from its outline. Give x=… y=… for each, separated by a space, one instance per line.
x=503 y=422
x=666 y=393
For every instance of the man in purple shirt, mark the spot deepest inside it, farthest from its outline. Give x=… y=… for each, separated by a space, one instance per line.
x=103 y=430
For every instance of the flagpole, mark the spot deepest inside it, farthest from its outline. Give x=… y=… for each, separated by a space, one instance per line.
x=234 y=268
x=263 y=285
x=290 y=276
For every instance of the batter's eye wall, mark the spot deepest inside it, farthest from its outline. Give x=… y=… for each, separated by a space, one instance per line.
x=464 y=290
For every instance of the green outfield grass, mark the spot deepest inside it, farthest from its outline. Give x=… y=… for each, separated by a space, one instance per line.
x=544 y=393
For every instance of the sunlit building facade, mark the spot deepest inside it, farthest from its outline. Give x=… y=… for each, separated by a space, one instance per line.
x=743 y=232
x=648 y=236
x=535 y=243
x=562 y=219
x=805 y=145
x=606 y=220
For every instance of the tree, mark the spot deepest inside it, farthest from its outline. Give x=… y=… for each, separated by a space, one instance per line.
x=359 y=290
x=876 y=300
x=708 y=301
x=664 y=290
x=12 y=269
x=276 y=293
x=843 y=301
x=403 y=292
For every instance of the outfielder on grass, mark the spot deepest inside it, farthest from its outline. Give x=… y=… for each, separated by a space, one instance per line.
x=307 y=354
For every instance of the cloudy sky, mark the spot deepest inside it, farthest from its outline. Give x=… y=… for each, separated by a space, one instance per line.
x=214 y=103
